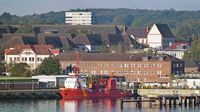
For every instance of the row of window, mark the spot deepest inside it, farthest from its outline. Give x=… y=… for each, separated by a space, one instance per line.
x=146 y=72
x=28 y=53
x=25 y=59
x=177 y=72
x=177 y=65
x=123 y=65
x=122 y=72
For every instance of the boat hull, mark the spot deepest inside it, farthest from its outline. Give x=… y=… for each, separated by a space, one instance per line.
x=79 y=93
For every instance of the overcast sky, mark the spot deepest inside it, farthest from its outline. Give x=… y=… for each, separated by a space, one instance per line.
x=28 y=7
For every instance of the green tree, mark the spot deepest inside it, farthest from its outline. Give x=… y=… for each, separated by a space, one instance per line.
x=49 y=66
x=25 y=28
x=104 y=48
x=194 y=52
x=20 y=69
x=2 y=67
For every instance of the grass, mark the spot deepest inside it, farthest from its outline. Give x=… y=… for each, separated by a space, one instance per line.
x=15 y=78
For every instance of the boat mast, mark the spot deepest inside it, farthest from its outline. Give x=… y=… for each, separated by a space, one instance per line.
x=77 y=63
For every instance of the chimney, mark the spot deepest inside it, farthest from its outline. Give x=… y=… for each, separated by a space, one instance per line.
x=124 y=30
x=147 y=29
x=170 y=43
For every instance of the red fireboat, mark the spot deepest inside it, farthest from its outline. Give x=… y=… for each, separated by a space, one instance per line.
x=75 y=87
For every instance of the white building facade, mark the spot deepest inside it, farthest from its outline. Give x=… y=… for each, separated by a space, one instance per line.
x=78 y=18
x=32 y=55
x=160 y=36
x=178 y=53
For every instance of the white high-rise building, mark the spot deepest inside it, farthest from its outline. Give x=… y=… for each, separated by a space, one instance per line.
x=78 y=18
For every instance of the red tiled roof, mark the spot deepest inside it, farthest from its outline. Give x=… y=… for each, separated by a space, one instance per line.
x=55 y=51
x=38 y=49
x=178 y=44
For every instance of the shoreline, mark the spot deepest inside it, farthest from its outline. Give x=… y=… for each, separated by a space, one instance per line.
x=30 y=94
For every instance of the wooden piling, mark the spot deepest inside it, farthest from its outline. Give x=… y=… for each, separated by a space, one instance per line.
x=165 y=101
x=170 y=102
x=185 y=102
x=140 y=102
x=160 y=102
x=174 y=102
x=180 y=101
x=122 y=103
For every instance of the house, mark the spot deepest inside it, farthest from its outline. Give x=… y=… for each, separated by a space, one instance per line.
x=191 y=67
x=94 y=42
x=179 y=45
x=178 y=53
x=33 y=55
x=88 y=42
x=137 y=68
x=160 y=36
x=177 y=49
x=138 y=34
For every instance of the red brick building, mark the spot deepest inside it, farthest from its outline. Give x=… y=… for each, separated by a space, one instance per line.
x=135 y=67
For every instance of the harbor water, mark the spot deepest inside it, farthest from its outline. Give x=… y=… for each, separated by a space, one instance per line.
x=83 y=105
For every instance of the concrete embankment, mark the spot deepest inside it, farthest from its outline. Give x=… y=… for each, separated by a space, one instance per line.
x=30 y=94
x=157 y=92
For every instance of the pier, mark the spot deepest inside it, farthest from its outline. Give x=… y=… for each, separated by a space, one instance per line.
x=138 y=102
x=165 y=101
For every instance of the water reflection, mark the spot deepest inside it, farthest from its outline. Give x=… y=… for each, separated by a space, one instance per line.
x=88 y=105
x=83 y=105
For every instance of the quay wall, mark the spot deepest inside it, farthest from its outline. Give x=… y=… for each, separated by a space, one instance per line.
x=30 y=94
x=157 y=92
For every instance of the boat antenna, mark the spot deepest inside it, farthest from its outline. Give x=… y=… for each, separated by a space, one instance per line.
x=77 y=62
x=111 y=75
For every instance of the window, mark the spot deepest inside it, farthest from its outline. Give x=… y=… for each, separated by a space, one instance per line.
x=145 y=72
x=132 y=65
x=106 y=65
x=31 y=58
x=10 y=59
x=93 y=72
x=159 y=65
x=159 y=72
x=126 y=65
x=24 y=58
x=106 y=72
x=132 y=72
x=139 y=72
x=146 y=65
x=139 y=65
x=39 y=59
x=99 y=65
x=100 y=72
